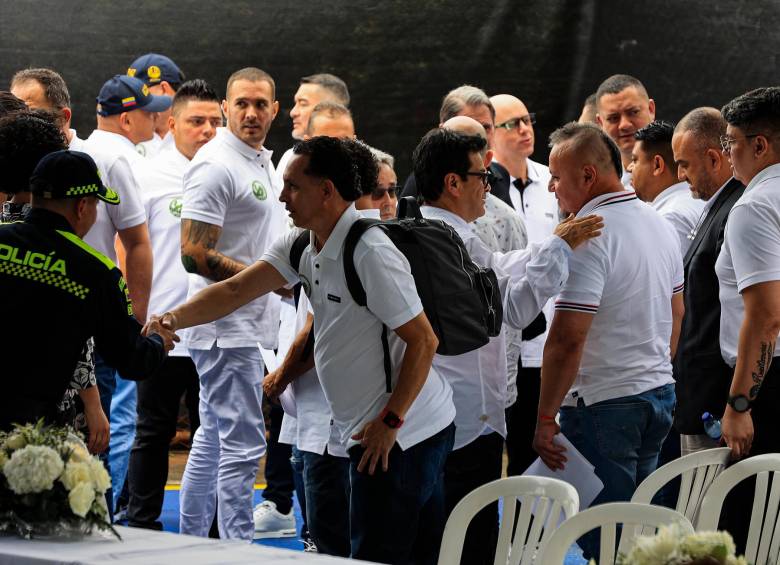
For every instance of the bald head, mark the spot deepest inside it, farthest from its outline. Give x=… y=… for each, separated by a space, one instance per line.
x=514 y=138
x=466 y=126
x=697 y=152
x=705 y=124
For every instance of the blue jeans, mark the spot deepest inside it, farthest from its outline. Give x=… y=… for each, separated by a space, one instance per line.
x=123 y=417
x=326 y=480
x=296 y=462
x=398 y=516
x=621 y=438
x=106 y=382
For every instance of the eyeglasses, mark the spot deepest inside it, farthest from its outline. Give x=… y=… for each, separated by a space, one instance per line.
x=726 y=142
x=514 y=123
x=485 y=176
x=379 y=193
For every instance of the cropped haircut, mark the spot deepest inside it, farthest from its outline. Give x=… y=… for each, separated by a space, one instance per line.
x=10 y=103
x=706 y=125
x=456 y=100
x=367 y=165
x=336 y=87
x=25 y=138
x=439 y=153
x=195 y=89
x=383 y=158
x=330 y=110
x=54 y=88
x=656 y=138
x=618 y=83
x=757 y=111
x=589 y=137
x=252 y=74
x=334 y=159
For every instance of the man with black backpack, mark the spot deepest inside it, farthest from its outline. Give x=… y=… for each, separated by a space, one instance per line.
x=450 y=166
x=398 y=432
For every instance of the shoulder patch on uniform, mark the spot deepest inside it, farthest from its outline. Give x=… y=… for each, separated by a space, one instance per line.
x=76 y=240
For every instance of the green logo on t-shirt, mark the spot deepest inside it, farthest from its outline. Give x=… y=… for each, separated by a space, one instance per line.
x=259 y=190
x=175 y=206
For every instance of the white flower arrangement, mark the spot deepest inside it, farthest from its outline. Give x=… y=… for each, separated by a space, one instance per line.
x=670 y=546
x=50 y=484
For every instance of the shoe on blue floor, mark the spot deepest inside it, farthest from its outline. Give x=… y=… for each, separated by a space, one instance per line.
x=270 y=523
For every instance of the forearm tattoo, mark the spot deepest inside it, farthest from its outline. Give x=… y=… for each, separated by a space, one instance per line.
x=216 y=266
x=762 y=366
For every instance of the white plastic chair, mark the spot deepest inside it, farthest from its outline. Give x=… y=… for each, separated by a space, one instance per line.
x=763 y=543
x=634 y=517
x=696 y=472
x=540 y=497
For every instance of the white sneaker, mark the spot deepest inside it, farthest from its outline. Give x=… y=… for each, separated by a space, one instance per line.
x=270 y=523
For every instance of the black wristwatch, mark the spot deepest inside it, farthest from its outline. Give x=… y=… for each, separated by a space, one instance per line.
x=739 y=402
x=391 y=419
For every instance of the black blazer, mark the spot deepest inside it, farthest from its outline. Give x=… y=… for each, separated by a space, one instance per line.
x=703 y=378
x=499 y=187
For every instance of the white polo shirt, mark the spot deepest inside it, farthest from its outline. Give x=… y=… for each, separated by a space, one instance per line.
x=348 y=348
x=750 y=254
x=677 y=206
x=162 y=178
x=152 y=147
x=76 y=143
x=527 y=280
x=539 y=209
x=230 y=184
x=116 y=159
x=625 y=278
x=282 y=165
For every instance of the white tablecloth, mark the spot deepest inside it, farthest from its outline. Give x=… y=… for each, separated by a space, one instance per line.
x=146 y=547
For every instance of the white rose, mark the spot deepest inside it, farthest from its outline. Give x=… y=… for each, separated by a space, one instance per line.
x=78 y=453
x=651 y=550
x=15 y=441
x=708 y=544
x=33 y=469
x=100 y=477
x=80 y=499
x=76 y=473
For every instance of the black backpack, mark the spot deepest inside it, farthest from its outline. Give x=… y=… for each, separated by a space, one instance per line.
x=461 y=300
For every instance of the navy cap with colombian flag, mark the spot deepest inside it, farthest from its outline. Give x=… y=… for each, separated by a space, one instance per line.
x=69 y=174
x=154 y=68
x=124 y=94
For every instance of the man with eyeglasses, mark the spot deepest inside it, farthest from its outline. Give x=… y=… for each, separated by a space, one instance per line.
x=702 y=376
x=527 y=183
x=450 y=164
x=623 y=108
x=383 y=198
x=654 y=178
x=748 y=269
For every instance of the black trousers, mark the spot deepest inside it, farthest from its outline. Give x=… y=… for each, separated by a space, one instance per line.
x=467 y=468
x=521 y=421
x=278 y=470
x=158 y=410
x=738 y=505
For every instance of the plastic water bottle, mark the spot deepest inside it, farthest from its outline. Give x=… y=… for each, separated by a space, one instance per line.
x=711 y=425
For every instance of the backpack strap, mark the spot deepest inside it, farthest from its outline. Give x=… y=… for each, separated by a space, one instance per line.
x=354 y=285
x=356 y=289
x=296 y=252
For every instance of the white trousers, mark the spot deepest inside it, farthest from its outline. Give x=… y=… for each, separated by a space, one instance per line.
x=228 y=445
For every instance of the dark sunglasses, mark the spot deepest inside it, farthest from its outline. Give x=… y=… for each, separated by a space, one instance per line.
x=379 y=193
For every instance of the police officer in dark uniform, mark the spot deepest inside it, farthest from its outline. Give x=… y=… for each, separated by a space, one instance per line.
x=58 y=291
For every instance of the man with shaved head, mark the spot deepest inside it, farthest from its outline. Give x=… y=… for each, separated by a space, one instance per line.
x=703 y=378
x=450 y=166
x=607 y=362
x=527 y=186
x=332 y=120
x=623 y=107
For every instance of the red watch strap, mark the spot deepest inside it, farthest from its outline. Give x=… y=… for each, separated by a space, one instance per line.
x=391 y=419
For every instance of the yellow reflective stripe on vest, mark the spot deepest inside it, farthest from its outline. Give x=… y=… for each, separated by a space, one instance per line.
x=73 y=238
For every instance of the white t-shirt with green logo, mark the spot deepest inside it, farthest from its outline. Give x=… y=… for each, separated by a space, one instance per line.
x=162 y=195
x=231 y=185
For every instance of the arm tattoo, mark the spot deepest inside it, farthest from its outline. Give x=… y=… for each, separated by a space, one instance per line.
x=209 y=263
x=762 y=366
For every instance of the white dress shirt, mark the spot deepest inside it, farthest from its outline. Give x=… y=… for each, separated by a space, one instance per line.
x=230 y=184
x=116 y=160
x=348 y=349
x=677 y=206
x=750 y=254
x=527 y=279
x=162 y=178
x=626 y=278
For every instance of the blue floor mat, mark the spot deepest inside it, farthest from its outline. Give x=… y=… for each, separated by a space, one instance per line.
x=170 y=521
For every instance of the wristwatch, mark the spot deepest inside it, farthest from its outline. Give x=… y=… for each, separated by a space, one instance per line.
x=739 y=402
x=391 y=419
